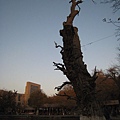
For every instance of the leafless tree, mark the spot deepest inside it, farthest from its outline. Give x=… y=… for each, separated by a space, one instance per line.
x=76 y=70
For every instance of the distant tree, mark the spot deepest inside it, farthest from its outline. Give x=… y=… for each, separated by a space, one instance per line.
x=114 y=74
x=7 y=102
x=67 y=96
x=115 y=4
x=106 y=87
x=64 y=101
x=37 y=99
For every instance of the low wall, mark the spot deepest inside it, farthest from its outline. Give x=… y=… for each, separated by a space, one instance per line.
x=39 y=117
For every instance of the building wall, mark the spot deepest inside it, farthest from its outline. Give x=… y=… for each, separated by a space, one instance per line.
x=20 y=99
x=30 y=88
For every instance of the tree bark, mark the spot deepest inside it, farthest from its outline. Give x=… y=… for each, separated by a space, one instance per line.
x=76 y=71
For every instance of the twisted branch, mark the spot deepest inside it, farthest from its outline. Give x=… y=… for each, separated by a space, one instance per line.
x=59 y=46
x=60 y=67
x=60 y=87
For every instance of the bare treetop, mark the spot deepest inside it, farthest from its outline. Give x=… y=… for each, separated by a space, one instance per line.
x=73 y=12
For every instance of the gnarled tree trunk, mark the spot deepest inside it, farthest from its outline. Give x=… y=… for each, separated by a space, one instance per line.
x=76 y=71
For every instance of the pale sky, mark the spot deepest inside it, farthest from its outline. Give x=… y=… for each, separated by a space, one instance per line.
x=28 y=29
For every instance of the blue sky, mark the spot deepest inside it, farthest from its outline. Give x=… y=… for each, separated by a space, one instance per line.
x=28 y=29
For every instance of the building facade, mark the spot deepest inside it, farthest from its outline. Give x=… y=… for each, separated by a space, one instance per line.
x=20 y=99
x=30 y=88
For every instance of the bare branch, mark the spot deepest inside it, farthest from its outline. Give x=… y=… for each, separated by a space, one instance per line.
x=60 y=67
x=60 y=87
x=68 y=96
x=115 y=4
x=116 y=24
x=59 y=46
x=93 y=1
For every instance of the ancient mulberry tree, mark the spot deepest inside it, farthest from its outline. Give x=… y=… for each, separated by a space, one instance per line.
x=76 y=70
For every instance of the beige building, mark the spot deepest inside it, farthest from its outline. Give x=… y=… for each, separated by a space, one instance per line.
x=20 y=99
x=30 y=88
